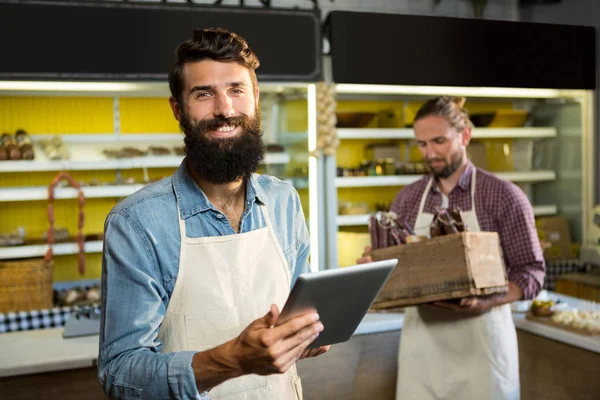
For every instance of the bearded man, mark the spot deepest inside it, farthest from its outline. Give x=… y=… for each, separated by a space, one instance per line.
x=197 y=266
x=465 y=349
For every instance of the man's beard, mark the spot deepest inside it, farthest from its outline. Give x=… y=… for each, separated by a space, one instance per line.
x=223 y=160
x=449 y=169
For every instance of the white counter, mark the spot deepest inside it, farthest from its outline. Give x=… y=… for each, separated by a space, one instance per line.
x=45 y=350
x=591 y=343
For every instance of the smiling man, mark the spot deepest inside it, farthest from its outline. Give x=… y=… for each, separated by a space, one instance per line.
x=197 y=266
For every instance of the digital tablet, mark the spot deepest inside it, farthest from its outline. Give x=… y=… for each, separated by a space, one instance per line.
x=340 y=296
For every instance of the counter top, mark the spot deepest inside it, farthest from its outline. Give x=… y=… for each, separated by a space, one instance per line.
x=591 y=343
x=45 y=350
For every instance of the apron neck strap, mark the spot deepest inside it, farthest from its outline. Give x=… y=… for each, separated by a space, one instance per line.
x=182 y=231
x=424 y=197
x=428 y=188
x=473 y=184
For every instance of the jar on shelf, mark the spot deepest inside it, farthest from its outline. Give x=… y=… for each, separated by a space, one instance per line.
x=390 y=166
x=380 y=167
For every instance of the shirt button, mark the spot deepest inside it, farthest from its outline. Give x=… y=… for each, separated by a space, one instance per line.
x=219 y=216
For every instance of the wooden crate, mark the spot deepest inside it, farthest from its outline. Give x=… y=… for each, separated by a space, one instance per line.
x=443 y=268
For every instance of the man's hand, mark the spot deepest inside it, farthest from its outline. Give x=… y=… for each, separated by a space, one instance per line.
x=261 y=349
x=366 y=257
x=467 y=304
x=481 y=304
x=309 y=353
x=264 y=349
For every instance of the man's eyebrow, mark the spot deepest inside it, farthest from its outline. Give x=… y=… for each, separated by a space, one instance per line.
x=206 y=88
x=202 y=88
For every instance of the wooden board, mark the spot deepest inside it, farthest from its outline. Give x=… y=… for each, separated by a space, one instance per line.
x=458 y=294
x=548 y=321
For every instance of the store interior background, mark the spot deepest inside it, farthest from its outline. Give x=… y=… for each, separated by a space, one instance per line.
x=145 y=115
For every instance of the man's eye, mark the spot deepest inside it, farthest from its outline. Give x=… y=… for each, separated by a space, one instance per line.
x=237 y=91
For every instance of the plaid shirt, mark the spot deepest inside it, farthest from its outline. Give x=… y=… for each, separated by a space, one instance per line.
x=501 y=207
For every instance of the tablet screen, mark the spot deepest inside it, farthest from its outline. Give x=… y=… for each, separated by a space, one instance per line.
x=340 y=296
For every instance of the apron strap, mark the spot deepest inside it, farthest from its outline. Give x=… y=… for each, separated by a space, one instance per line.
x=183 y=233
x=473 y=184
x=424 y=197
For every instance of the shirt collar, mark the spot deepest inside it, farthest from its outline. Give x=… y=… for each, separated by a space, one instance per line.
x=464 y=182
x=191 y=198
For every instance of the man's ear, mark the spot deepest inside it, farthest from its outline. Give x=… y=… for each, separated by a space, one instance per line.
x=466 y=136
x=256 y=96
x=175 y=108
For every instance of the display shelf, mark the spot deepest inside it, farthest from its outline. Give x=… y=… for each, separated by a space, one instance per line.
x=403 y=180
x=39 y=250
x=478 y=133
x=86 y=153
x=363 y=219
x=545 y=210
x=528 y=176
x=29 y=193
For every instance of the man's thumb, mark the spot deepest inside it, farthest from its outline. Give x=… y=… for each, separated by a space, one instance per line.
x=272 y=315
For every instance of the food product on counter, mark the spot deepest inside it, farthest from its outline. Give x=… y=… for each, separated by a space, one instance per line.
x=587 y=321
x=9 y=145
x=77 y=296
x=542 y=308
x=24 y=144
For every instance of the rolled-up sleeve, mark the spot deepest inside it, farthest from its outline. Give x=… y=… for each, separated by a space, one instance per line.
x=130 y=364
x=522 y=252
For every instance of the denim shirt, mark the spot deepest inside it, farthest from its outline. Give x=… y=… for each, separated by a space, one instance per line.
x=140 y=265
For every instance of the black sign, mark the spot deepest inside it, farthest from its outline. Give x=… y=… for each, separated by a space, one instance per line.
x=418 y=50
x=137 y=42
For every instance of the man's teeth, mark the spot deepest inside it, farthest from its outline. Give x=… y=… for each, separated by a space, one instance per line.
x=226 y=128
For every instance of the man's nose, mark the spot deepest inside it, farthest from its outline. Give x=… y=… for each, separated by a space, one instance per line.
x=223 y=106
x=430 y=152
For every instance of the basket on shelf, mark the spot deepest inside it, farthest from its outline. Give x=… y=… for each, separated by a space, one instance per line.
x=26 y=284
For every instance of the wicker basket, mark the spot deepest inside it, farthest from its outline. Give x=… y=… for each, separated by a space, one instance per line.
x=25 y=285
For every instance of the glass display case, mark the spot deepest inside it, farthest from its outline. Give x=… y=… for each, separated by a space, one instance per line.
x=114 y=138
x=540 y=139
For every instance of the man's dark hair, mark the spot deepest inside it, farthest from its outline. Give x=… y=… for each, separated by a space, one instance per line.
x=215 y=44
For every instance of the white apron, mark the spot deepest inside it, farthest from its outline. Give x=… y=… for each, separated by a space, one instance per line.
x=224 y=283
x=448 y=355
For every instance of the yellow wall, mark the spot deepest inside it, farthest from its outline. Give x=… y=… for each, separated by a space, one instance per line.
x=85 y=115
x=74 y=115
